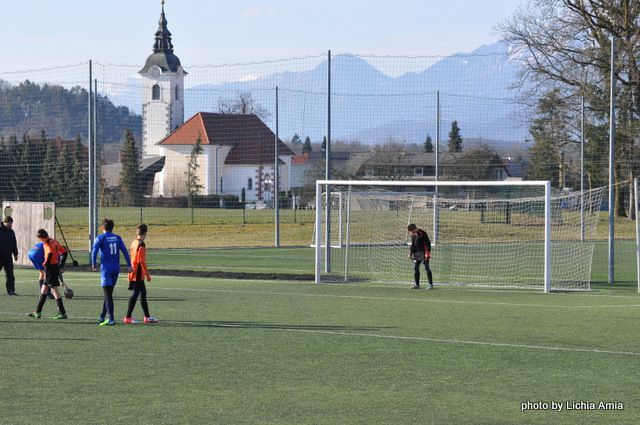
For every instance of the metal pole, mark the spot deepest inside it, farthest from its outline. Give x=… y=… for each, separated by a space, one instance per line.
x=582 y=228
x=346 y=244
x=436 y=211
x=635 y=201
x=547 y=237
x=612 y=143
x=327 y=248
x=276 y=179
x=96 y=156
x=318 y=230
x=92 y=227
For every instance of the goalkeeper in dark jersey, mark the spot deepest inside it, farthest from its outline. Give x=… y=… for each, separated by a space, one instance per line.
x=420 y=252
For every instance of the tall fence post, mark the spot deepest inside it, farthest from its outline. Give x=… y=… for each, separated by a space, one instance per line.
x=276 y=179
x=436 y=211
x=327 y=248
x=612 y=144
x=96 y=157
x=582 y=224
x=91 y=200
x=636 y=203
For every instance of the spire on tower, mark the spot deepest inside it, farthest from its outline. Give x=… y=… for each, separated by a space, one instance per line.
x=162 y=55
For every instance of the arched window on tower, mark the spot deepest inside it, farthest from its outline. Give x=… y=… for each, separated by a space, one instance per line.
x=155 y=92
x=250 y=184
x=177 y=93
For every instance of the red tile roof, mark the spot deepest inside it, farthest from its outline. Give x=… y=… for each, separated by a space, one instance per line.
x=251 y=139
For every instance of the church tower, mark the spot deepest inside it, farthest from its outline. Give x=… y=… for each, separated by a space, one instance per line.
x=162 y=93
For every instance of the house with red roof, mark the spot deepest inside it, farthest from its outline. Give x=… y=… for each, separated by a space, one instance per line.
x=238 y=154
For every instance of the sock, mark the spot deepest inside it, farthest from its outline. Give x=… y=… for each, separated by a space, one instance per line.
x=61 y=306
x=41 y=282
x=416 y=277
x=43 y=298
x=145 y=307
x=132 y=304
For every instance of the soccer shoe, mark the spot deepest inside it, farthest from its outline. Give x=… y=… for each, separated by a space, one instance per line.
x=415 y=286
x=60 y=317
x=150 y=319
x=108 y=322
x=129 y=321
x=430 y=286
x=100 y=319
x=34 y=314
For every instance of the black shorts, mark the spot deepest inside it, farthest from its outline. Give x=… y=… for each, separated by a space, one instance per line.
x=52 y=275
x=136 y=285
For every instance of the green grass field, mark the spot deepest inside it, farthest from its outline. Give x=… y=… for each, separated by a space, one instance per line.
x=250 y=352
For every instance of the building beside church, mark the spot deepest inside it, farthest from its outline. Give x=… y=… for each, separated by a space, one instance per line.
x=238 y=150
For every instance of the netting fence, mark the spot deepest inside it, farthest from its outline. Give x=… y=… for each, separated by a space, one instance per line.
x=193 y=155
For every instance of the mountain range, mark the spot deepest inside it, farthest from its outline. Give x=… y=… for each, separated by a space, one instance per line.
x=371 y=106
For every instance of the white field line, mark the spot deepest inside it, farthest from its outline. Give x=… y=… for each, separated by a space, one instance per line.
x=393 y=337
x=363 y=297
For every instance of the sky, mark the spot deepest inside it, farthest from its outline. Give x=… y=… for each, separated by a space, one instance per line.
x=45 y=33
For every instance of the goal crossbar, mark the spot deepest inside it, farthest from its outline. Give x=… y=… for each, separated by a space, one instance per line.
x=535 y=183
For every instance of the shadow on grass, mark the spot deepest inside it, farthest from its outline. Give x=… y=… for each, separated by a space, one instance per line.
x=43 y=338
x=619 y=286
x=257 y=325
x=149 y=299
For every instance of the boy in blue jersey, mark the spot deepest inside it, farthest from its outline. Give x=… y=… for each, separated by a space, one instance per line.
x=110 y=245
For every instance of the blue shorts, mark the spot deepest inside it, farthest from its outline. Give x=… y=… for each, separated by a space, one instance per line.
x=108 y=277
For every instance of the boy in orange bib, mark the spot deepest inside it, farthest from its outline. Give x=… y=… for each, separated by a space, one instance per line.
x=138 y=251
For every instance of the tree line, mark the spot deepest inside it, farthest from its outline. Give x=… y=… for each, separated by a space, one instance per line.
x=43 y=170
x=28 y=107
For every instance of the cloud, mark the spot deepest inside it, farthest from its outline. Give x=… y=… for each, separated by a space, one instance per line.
x=258 y=9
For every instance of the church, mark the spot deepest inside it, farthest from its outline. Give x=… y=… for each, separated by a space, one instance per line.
x=238 y=151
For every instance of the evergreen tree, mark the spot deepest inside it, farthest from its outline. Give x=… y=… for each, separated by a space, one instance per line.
x=13 y=163
x=550 y=131
x=63 y=179
x=455 y=139
x=4 y=188
x=78 y=186
x=48 y=189
x=428 y=146
x=130 y=174
x=323 y=148
x=193 y=181
x=307 y=145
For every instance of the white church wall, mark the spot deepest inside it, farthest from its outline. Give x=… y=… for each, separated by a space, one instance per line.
x=174 y=175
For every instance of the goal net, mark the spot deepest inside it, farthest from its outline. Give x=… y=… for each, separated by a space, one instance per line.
x=498 y=234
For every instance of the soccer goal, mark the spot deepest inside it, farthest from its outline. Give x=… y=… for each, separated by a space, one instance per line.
x=516 y=234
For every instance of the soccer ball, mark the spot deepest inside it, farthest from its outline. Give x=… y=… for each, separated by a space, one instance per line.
x=68 y=293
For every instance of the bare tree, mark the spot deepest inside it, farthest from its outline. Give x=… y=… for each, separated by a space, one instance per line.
x=244 y=104
x=564 y=45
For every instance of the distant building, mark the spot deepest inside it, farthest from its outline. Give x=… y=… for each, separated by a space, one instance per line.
x=238 y=153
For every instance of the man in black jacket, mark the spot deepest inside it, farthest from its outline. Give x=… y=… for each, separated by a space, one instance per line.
x=8 y=248
x=420 y=252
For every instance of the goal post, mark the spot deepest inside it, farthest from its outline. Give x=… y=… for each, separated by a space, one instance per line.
x=535 y=241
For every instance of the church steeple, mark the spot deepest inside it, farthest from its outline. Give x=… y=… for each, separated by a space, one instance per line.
x=162 y=91
x=162 y=55
x=163 y=36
